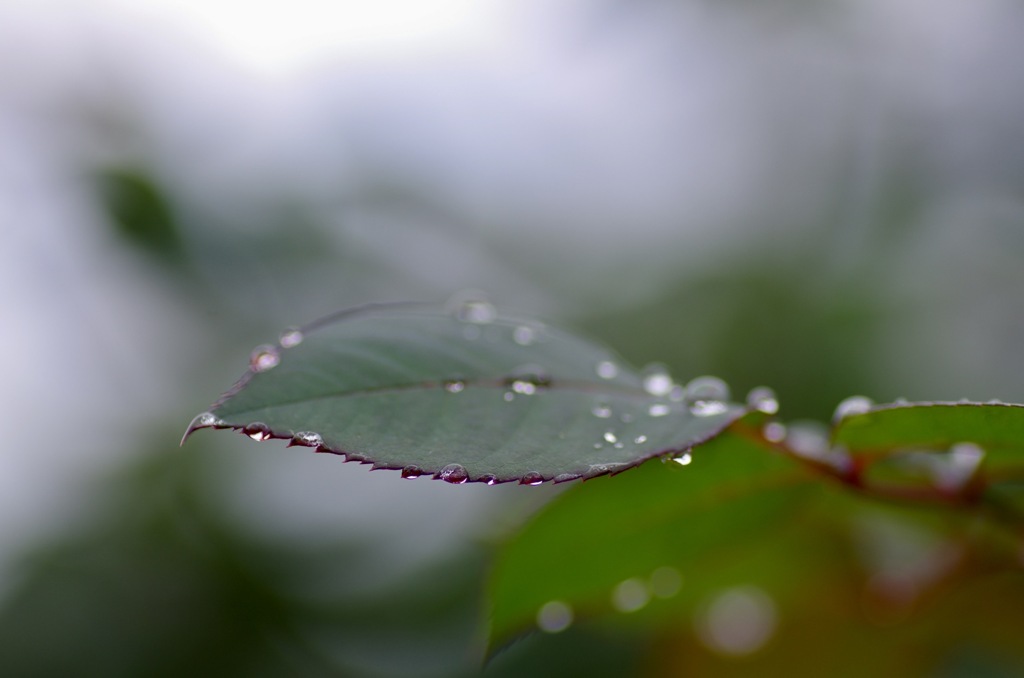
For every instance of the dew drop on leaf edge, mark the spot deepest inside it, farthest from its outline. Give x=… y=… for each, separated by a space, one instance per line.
x=455 y=474
x=263 y=358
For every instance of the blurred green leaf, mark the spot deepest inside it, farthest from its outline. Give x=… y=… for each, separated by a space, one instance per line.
x=140 y=213
x=464 y=395
x=668 y=534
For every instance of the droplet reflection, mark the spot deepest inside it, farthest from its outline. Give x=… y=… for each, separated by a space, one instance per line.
x=554 y=616
x=738 y=621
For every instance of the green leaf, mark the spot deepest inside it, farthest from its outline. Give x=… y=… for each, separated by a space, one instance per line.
x=465 y=395
x=667 y=534
x=968 y=452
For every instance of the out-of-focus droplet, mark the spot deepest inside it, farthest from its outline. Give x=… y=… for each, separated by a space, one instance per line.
x=472 y=307
x=640 y=439
x=524 y=335
x=656 y=380
x=554 y=616
x=658 y=410
x=707 y=388
x=738 y=621
x=455 y=386
x=412 y=472
x=630 y=595
x=306 y=439
x=666 y=581
x=708 y=408
x=763 y=399
x=455 y=474
x=851 y=406
x=602 y=411
x=291 y=337
x=264 y=358
x=610 y=437
x=774 y=432
x=258 y=431
x=606 y=369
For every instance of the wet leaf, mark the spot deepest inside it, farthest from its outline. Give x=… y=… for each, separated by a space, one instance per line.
x=464 y=395
x=665 y=536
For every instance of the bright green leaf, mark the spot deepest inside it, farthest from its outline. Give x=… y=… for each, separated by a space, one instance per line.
x=463 y=395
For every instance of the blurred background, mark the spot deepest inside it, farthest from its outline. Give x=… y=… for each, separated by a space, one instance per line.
x=826 y=197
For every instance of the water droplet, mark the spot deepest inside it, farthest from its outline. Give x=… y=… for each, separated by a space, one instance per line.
x=774 y=432
x=808 y=439
x=509 y=396
x=610 y=437
x=523 y=387
x=763 y=399
x=627 y=418
x=657 y=381
x=630 y=595
x=412 y=472
x=738 y=621
x=666 y=581
x=524 y=335
x=531 y=478
x=640 y=439
x=264 y=358
x=707 y=388
x=489 y=479
x=454 y=386
x=851 y=406
x=606 y=369
x=554 y=616
x=455 y=474
x=201 y=420
x=602 y=411
x=619 y=445
x=959 y=466
x=598 y=446
x=708 y=408
x=684 y=459
x=258 y=431
x=291 y=337
x=473 y=307
x=306 y=439
x=565 y=477
x=658 y=410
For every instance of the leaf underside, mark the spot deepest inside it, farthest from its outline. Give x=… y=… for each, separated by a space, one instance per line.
x=488 y=399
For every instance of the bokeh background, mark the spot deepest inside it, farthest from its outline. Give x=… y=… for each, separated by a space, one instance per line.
x=824 y=197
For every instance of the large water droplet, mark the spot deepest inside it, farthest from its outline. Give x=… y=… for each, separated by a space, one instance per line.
x=606 y=369
x=264 y=358
x=630 y=595
x=531 y=478
x=707 y=388
x=658 y=410
x=455 y=386
x=763 y=399
x=851 y=406
x=683 y=459
x=306 y=439
x=412 y=472
x=455 y=474
x=610 y=437
x=657 y=380
x=258 y=431
x=291 y=337
x=554 y=616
